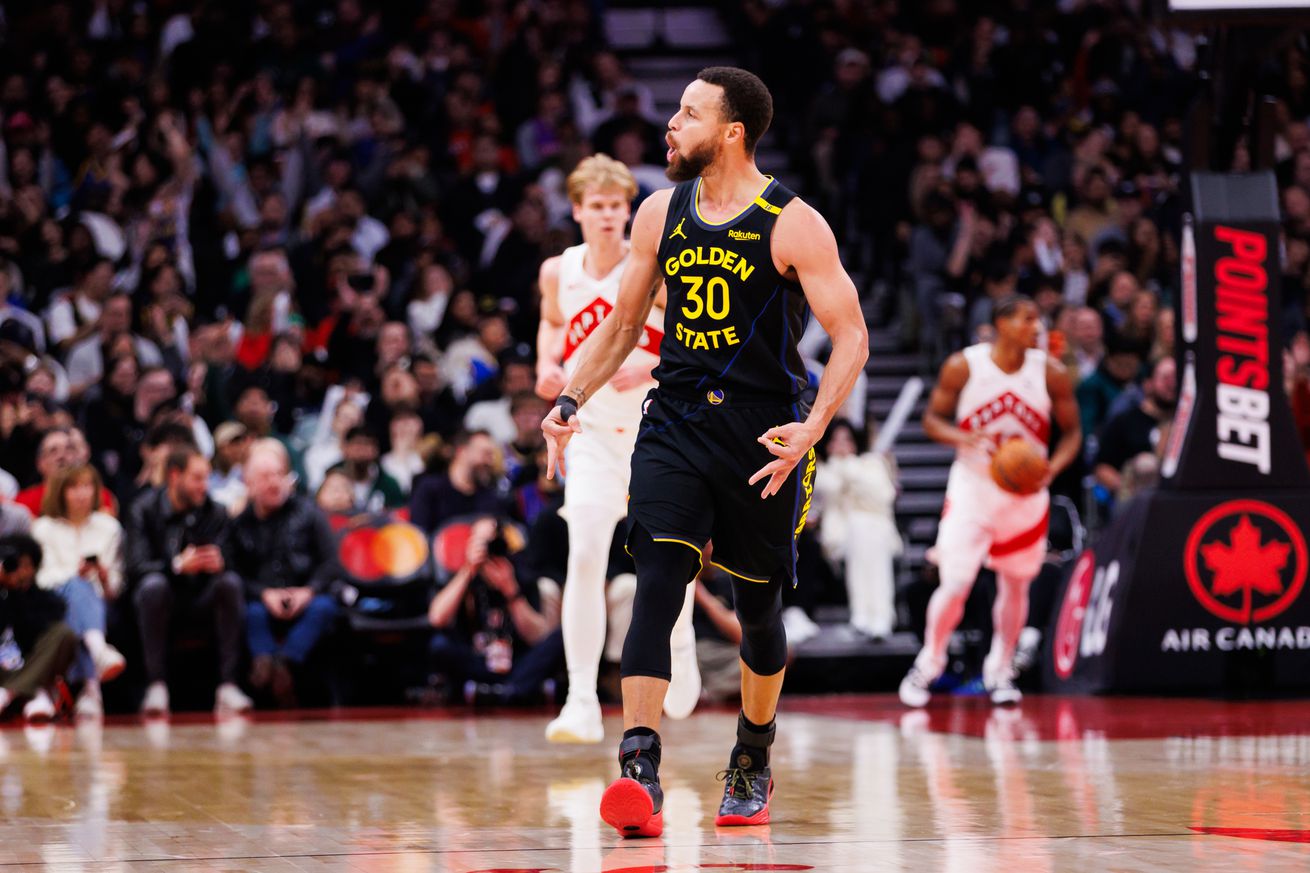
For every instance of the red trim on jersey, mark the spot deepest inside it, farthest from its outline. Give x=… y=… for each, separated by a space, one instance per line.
x=1023 y=540
x=589 y=317
x=1011 y=404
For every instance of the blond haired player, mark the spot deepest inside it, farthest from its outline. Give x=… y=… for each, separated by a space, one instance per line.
x=985 y=395
x=578 y=289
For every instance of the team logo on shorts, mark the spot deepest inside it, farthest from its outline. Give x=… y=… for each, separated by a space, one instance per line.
x=714 y=396
x=1245 y=561
x=645 y=407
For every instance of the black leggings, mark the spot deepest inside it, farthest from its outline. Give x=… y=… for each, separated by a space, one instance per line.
x=663 y=571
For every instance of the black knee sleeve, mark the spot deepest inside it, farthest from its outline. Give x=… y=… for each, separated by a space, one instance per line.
x=763 y=638
x=663 y=571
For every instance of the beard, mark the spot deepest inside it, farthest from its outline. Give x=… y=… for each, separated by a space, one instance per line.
x=681 y=169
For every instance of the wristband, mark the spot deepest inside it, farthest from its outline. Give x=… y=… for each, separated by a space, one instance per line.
x=568 y=407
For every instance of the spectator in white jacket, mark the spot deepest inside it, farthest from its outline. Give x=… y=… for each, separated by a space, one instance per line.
x=83 y=548
x=856 y=493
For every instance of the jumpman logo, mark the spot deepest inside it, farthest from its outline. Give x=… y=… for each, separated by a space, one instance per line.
x=677 y=231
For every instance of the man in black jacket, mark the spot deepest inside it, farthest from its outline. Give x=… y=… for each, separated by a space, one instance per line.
x=175 y=540
x=36 y=647
x=283 y=549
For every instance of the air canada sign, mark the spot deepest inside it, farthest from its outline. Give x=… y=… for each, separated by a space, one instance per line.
x=1245 y=562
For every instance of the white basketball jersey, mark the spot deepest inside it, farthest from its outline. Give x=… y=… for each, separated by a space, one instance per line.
x=585 y=302
x=1003 y=405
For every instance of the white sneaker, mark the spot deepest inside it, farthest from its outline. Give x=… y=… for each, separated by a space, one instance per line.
x=577 y=722
x=109 y=663
x=89 y=703
x=155 y=703
x=915 y=689
x=231 y=699
x=684 y=685
x=800 y=627
x=40 y=708
x=1002 y=689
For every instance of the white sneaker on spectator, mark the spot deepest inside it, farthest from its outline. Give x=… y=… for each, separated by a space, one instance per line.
x=578 y=722
x=40 y=707
x=231 y=699
x=89 y=703
x=155 y=703
x=684 y=684
x=109 y=663
x=800 y=627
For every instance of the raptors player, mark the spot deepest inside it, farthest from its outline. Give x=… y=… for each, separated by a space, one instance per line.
x=578 y=289
x=985 y=395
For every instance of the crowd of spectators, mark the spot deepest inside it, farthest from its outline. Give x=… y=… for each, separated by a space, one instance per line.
x=268 y=266
x=969 y=150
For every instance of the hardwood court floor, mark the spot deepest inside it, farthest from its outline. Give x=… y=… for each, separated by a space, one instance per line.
x=1060 y=785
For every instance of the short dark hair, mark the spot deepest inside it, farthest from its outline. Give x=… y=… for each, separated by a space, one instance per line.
x=361 y=432
x=180 y=458
x=745 y=99
x=15 y=546
x=1006 y=306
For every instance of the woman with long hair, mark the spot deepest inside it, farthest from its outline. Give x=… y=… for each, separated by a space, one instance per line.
x=83 y=563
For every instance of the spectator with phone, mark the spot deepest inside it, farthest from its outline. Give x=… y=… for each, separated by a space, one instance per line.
x=83 y=547
x=282 y=548
x=36 y=646
x=494 y=639
x=177 y=570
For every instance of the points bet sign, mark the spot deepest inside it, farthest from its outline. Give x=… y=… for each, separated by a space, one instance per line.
x=1214 y=597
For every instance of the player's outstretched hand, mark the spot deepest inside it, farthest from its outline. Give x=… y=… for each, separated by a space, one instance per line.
x=558 y=433
x=788 y=444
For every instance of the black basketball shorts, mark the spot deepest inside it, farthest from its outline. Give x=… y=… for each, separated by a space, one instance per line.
x=690 y=470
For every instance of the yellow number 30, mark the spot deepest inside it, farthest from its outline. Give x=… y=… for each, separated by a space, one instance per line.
x=715 y=304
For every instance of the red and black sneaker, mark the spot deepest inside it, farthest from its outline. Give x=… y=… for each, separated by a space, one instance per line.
x=746 y=795
x=633 y=804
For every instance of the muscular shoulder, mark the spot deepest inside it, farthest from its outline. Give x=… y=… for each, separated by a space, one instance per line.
x=954 y=372
x=548 y=274
x=802 y=236
x=648 y=224
x=1058 y=379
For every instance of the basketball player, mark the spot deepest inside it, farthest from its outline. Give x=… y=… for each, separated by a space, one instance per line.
x=741 y=257
x=578 y=289
x=985 y=395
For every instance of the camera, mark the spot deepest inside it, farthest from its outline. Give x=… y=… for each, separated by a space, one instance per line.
x=497 y=547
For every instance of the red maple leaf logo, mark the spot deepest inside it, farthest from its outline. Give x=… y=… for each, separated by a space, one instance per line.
x=1246 y=563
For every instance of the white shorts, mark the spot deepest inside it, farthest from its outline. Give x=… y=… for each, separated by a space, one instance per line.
x=983 y=524
x=598 y=465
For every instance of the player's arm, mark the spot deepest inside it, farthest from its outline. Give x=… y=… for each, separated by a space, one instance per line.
x=609 y=345
x=550 y=333
x=1064 y=409
x=803 y=240
x=939 y=417
x=614 y=338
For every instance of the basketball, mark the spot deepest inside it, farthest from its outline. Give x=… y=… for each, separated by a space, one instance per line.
x=1018 y=467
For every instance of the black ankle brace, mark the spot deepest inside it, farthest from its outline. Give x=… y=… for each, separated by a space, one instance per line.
x=753 y=741
x=644 y=745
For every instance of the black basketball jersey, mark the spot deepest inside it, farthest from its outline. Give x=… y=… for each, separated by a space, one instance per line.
x=732 y=321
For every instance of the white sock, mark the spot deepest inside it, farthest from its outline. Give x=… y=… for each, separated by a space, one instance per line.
x=95 y=642
x=91 y=688
x=582 y=611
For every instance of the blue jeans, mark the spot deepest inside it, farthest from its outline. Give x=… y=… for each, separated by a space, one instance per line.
x=302 y=633
x=86 y=612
